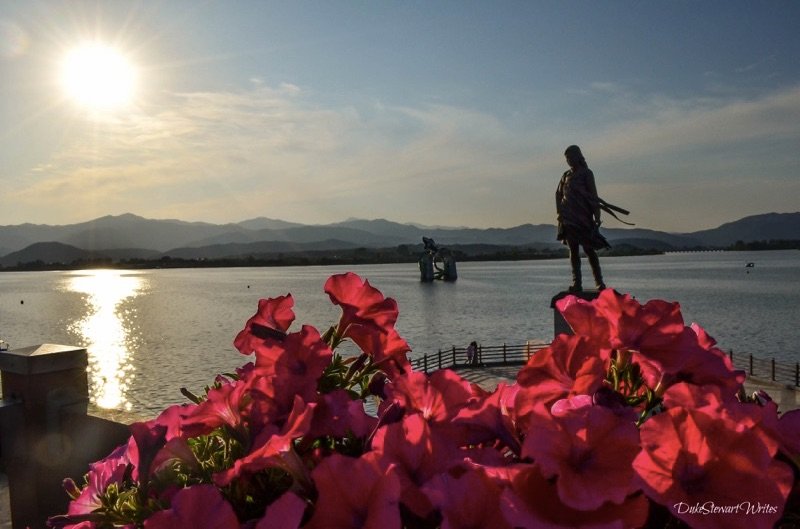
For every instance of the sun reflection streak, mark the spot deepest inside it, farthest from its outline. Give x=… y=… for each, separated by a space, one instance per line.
x=106 y=329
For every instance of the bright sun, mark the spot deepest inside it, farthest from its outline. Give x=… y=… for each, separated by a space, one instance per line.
x=98 y=77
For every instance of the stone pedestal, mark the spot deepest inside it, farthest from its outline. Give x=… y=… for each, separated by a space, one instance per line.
x=560 y=325
x=39 y=383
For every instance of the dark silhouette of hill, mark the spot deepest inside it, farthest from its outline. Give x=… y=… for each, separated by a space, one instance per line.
x=307 y=235
x=256 y=249
x=132 y=237
x=114 y=232
x=47 y=252
x=264 y=223
x=770 y=226
x=56 y=252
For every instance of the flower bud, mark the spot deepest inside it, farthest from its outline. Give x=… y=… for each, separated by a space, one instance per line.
x=377 y=385
x=357 y=365
x=614 y=401
x=72 y=489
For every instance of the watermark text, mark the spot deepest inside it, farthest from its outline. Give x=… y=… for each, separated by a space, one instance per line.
x=710 y=507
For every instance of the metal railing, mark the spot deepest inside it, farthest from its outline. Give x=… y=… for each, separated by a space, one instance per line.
x=487 y=356
x=767 y=368
x=518 y=355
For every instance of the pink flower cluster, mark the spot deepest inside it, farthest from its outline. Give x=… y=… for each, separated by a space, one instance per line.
x=635 y=420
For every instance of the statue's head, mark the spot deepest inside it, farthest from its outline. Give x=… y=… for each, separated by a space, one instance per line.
x=575 y=156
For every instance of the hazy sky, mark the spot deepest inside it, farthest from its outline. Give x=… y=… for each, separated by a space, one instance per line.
x=436 y=112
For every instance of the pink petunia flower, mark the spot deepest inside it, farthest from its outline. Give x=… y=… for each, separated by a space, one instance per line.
x=789 y=429
x=284 y=513
x=388 y=349
x=565 y=407
x=355 y=493
x=101 y=474
x=192 y=507
x=690 y=458
x=571 y=365
x=454 y=494
x=491 y=417
x=146 y=441
x=361 y=303
x=172 y=418
x=338 y=415
x=583 y=446
x=533 y=502
x=650 y=330
x=705 y=364
x=273 y=447
x=437 y=397
x=654 y=334
x=271 y=321
x=739 y=416
x=176 y=449
x=652 y=326
x=294 y=365
x=365 y=311
x=224 y=405
x=417 y=452
x=621 y=321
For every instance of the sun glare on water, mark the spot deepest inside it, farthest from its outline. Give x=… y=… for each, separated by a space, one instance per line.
x=98 y=77
x=107 y=331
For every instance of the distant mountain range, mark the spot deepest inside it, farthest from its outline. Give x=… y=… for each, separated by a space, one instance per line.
x=132 y=237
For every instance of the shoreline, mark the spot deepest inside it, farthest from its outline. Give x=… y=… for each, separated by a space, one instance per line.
x=362 y=256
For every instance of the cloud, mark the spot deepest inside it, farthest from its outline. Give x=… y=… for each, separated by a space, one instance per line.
x=674 y=126
x=277 y=151
x=761 y=63
x=272 y=148
x=611 y=88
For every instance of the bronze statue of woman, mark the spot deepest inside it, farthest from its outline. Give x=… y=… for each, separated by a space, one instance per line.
x=578 y=208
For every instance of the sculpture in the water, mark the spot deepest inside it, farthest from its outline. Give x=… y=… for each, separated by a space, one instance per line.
x=436 y=263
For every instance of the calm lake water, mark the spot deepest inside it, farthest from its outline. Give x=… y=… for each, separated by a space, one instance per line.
x=150 y=332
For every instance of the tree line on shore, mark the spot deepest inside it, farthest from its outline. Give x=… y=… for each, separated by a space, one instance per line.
x=403 y=253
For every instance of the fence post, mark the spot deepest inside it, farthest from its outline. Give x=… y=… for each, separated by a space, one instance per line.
x=751 y=364
x=527 y=351
x=480 y=355
x=773 y=369
x=454 y=357
x=797 y=374
x=440 y=358
x=425 y=363
x=504 y=354
x=730 y=355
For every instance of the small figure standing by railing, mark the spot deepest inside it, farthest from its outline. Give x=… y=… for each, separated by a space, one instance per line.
x=472 y=353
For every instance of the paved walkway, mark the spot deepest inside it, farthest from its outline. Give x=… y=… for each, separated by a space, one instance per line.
x=787 y=397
